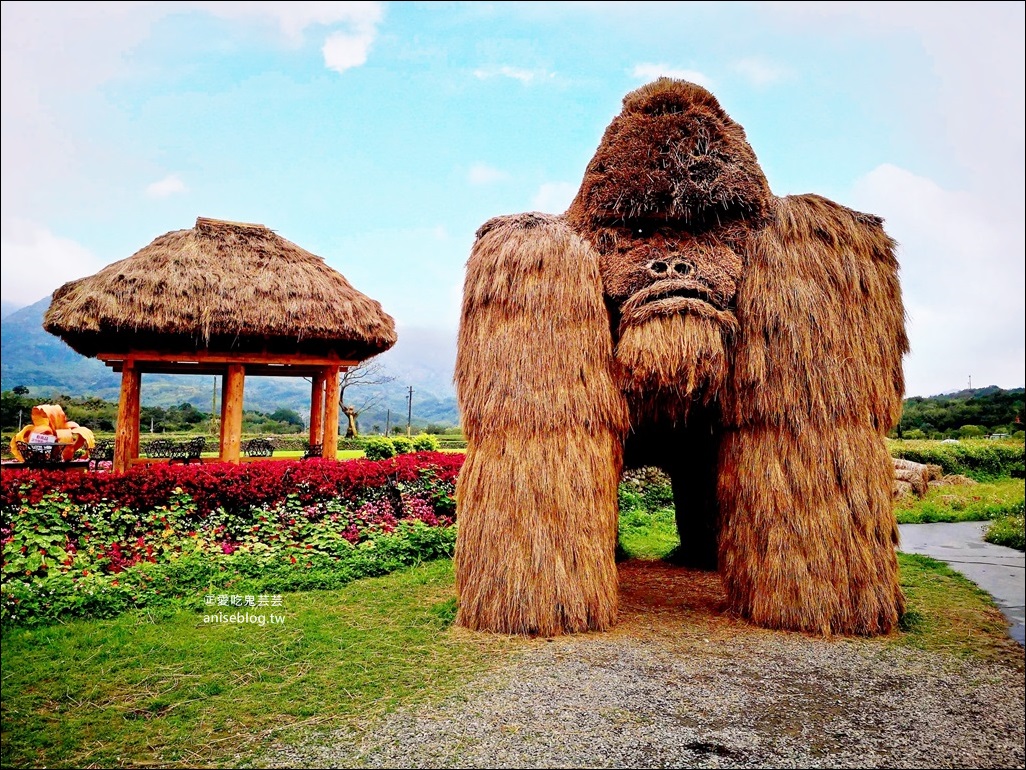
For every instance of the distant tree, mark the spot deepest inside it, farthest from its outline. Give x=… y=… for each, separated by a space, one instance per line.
x=971 y=431
x=20 y=390
x=15 y=410
x=364 y=374
x=289 y=416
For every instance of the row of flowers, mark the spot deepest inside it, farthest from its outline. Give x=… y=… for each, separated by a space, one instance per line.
x=53 y=521
x=224 y=486
x=73 y=537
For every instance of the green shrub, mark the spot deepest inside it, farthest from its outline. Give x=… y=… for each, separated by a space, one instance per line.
x=402 y=444
x=425 y=442
x=1009 y=530
x=379 y=448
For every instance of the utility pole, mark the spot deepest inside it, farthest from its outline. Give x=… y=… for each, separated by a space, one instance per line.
x=970 y=382
x=409 y=412
x=388 y=421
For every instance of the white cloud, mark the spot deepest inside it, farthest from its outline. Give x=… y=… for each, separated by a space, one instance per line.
x=169 y=185
x=525 y=76
x=648 y=71
x=554 y=197
x=36 y=262
x=294 y=18
x=962 y=276
x=760 y=72
x=344 y=50
x=482 y=174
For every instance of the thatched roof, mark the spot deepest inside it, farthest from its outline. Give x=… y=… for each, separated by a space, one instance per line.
x=223 y=287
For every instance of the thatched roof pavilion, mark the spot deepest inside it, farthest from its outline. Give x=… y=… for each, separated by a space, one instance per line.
x=224 y=298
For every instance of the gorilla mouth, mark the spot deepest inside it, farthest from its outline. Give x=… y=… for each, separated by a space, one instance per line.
x=670 y=296
x=675 y=296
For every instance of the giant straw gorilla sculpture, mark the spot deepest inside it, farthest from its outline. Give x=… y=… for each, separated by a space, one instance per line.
x=681 y=315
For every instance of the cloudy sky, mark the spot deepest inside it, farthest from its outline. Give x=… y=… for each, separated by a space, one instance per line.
x=381 y=135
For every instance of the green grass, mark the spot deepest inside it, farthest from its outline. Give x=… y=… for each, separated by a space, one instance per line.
x=295 y=454
x=648 y=535
x=171 y=689
x=946 y=612
x=977 y=502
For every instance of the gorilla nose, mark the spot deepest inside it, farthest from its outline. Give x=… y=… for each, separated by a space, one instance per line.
x=670 y=267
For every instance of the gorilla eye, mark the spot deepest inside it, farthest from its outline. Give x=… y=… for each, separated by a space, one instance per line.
x=683 y=268
x=658 y=267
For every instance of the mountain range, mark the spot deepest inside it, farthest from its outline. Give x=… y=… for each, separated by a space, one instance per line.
x=422 y=359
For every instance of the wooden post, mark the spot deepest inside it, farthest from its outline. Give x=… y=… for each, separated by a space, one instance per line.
x=231 y=447
x=223 y=443
x=126 y=436
x=331 y=384
x=317 y=409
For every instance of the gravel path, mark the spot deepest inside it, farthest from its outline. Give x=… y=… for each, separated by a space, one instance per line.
x=680 y=683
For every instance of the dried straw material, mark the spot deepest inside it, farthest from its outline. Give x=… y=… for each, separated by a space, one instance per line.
x=544 y=422
x=673 y=360
x=822 y=322
x=808 y=532
x=221 y=286
x=917 y=475
x=758 y=344
x=808 y=536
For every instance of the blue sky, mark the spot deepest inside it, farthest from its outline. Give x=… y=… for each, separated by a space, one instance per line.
x=381 y=135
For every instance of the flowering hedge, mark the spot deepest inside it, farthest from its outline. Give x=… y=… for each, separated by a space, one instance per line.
x=225 y=485
x=63 y=531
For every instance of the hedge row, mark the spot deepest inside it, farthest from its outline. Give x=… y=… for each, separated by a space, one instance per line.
x=980 y=460
x=227 y=486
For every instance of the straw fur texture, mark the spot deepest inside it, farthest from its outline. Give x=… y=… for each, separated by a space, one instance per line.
x=221 y=286
x=757 y=344
x=544 y=422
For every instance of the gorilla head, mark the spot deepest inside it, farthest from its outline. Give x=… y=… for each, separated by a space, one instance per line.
x=669 y=201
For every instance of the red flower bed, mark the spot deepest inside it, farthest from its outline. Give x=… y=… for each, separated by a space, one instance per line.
x=227 y=486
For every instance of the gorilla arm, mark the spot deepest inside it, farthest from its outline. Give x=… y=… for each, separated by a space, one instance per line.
x=808 y=532
x=544 y=420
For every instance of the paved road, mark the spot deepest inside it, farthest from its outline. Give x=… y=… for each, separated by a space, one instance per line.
x=998 y=570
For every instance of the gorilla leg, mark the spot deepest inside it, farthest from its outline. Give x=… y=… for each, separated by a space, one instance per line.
x=808 y=538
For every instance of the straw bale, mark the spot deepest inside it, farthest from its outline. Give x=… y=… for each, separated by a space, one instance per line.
x=917 y=475
x=953 y=480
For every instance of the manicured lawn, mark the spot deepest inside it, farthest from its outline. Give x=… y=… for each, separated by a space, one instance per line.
x=175 y=690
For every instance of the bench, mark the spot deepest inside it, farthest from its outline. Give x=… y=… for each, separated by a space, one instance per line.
x=102 y=452
x=45 y=456
x=176 y=451
x=259 y=447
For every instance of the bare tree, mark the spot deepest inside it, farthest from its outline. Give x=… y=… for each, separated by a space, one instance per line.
x=363 y=374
